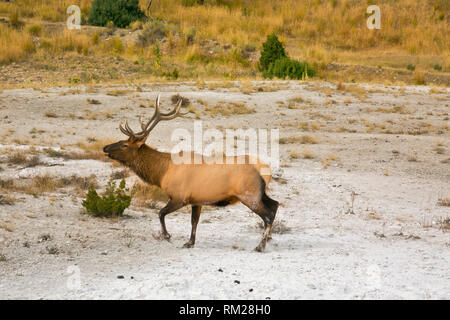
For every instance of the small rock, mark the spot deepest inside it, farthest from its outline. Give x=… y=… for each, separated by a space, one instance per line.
x=220 y=270
x=120 y=277
x=44 y=237
x=237 y=281
x=52 y=249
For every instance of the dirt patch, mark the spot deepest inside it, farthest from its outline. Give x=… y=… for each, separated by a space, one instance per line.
x=357 y=220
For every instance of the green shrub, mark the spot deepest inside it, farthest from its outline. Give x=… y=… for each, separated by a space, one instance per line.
x=411 y=67
x=437 y=67
x=288 y=68
x=112 y=203
x=120 y=12
x=35 y=30
x=272 y=51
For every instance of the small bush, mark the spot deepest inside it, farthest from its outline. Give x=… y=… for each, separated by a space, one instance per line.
x=121 y=12
x=437 y=67
x=176 y=98
x=35 y=30
x=172 y=75
x=411 y=67
x=274 y=62
x=273 y=50
x=289 y=68
x=152 y=31
x=112 y=203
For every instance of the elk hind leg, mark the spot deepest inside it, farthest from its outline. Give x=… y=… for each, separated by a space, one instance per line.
x=272 y=205
x=194 y=221
x=266 y=208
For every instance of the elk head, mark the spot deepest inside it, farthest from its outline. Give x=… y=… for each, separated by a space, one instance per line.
x=126 y=151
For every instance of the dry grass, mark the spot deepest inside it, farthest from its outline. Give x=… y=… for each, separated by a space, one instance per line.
x=39 y=185
x=6 y=227
x=328 y=160
x=14 y=45
x=228 y=109
x=145 y=195
x=51 y=115
x=120 y=174
x=7 y=199
x=308 y=154
x=445 y=224
x=92 y=150
x=17 y=158
x=305 y=21
x=327 y=31
x=305 y=139
x=444 y=202
x=294 y=155
x=117 y=92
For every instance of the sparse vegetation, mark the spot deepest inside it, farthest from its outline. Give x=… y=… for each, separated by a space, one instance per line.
x=445 y=202
x=176 y=98
x=307 y=154
x=6 y=199
x=305 y=139
x=183 y=33
x=228 y=109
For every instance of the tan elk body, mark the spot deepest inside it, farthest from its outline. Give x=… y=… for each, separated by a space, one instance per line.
x=196 y=184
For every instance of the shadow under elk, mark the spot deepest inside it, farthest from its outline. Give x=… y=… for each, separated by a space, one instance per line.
x=217 y=184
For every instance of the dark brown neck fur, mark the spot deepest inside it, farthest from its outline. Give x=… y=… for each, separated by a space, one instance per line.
x=150 y=165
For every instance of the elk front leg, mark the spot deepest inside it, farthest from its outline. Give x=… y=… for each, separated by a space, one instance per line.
x=194 y=221
x=170 y=207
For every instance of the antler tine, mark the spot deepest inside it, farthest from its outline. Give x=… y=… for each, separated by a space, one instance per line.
x=124 y=130
x=127 y=127
x=145 y=126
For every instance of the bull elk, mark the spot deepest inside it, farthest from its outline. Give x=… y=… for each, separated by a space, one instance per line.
x=195 y=184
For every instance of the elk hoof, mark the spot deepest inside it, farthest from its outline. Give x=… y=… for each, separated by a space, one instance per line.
x=260 y=248
x=161 y=236
x=188 y=245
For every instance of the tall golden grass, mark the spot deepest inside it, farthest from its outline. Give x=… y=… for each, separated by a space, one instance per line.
x=14 y=45
x=313 y=29
x=415 y=26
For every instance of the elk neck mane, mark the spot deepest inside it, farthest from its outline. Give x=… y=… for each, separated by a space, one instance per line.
x=150 y=164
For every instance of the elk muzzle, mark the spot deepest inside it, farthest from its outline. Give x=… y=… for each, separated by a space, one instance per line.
x=111 y=149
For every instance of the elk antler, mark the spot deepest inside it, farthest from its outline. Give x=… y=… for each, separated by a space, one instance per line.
x=154 y=120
